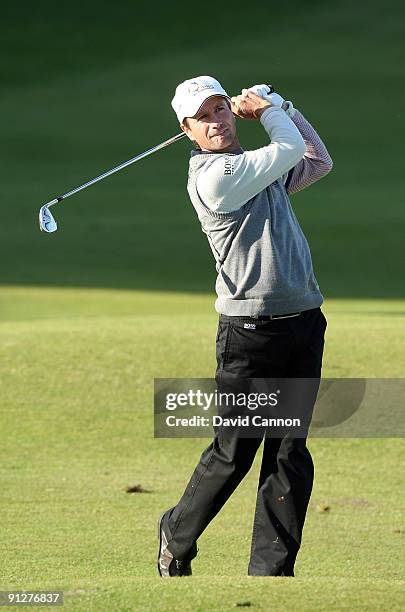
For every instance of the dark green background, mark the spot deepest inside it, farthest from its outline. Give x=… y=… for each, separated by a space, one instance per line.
x=88 y=85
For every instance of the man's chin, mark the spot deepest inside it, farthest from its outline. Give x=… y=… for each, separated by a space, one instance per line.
x=220 y=143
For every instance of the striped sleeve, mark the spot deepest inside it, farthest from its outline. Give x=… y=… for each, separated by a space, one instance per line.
x=316 y=162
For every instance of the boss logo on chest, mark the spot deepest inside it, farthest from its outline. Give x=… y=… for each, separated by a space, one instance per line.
x=228 y=165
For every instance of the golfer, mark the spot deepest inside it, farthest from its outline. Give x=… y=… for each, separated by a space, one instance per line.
x=268 y=299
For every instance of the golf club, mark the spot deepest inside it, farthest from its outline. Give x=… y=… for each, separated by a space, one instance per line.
x=47 y=222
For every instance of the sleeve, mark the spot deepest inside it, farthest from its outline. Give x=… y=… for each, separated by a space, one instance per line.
x=316 y=162
x=227 y=182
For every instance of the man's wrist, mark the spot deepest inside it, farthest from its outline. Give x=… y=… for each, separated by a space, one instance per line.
x=259 y=112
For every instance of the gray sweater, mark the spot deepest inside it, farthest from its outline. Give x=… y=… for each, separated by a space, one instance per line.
x=262 y=257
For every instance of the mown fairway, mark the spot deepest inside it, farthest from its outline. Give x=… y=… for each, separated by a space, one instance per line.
x=77 y=383
x=122 y=294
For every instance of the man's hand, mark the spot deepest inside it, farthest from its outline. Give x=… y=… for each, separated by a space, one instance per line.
x=266 y=93
x=274 y=98
x=248 y=105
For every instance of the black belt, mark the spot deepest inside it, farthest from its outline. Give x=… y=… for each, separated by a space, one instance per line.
x=273 y=317
x=231 y=318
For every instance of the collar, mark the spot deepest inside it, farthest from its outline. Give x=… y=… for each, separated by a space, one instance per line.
x=200 y=152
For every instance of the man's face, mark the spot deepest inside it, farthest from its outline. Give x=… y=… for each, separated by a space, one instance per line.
x=213 y=127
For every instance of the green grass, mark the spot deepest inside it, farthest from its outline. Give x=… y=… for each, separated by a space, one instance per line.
x=79 y=102
x=77 y=429
x=122 y=294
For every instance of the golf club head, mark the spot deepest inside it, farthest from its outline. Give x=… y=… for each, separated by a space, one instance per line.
x=46 y=221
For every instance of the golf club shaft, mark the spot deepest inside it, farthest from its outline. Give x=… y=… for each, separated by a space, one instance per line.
x=118 y=168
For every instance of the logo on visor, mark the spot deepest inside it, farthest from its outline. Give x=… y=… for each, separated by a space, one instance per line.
x=195 y=88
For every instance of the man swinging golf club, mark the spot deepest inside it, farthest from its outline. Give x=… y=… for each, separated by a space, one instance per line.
x=268 y=299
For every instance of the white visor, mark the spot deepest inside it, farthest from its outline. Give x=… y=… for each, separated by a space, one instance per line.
x=191 y=95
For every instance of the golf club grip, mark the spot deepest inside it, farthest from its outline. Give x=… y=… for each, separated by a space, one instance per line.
x=271 y=90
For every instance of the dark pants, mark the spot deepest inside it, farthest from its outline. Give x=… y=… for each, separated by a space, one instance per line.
x=282 y=348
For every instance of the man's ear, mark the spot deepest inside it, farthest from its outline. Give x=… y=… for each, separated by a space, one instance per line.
x=186 y=130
